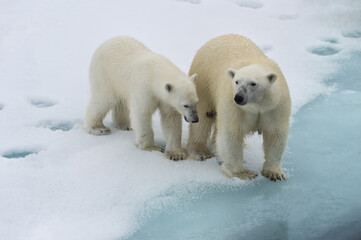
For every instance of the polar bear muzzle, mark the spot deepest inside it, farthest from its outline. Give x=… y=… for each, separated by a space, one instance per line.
x=191 y=115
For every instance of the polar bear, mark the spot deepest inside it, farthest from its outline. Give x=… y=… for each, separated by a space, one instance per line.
x=133 y=82
x=242 y=92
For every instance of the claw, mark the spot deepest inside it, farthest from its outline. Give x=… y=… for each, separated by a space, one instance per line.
x=274 y=176
x=175 y=155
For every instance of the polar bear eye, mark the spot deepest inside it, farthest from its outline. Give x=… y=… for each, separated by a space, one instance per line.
x=253 y=84
x=186 y=106
x=236 y=82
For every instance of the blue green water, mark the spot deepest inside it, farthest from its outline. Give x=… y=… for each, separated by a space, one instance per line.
x=18 y=154
x=320 y=200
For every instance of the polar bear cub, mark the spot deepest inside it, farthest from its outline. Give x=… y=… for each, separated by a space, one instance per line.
x=132 y=82
x=242 y=92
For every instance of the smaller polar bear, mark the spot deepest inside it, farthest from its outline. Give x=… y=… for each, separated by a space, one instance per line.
x=133 y=82
x=243 y=92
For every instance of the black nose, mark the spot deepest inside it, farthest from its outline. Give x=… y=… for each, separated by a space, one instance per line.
x=195 y=120
x=238 y=99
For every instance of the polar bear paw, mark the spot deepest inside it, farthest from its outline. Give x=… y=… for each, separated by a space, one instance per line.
x=176 y=155
x=243 y=174
x=153 y=148
x=246 y=174
x=124 y=127
x=98 y=131
x=274 y=175
x=199 y=155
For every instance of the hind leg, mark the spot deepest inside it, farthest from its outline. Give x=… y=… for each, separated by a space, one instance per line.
x=120 y=116
x=96 y=112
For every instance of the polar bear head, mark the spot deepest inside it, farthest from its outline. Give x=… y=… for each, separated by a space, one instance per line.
x=250 y=83
x=182 y=95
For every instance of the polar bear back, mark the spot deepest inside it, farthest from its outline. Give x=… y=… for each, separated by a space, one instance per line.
x=113 y=63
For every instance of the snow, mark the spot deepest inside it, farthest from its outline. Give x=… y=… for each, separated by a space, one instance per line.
x=57 y=181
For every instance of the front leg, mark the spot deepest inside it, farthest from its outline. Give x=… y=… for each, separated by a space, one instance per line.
x=171 y=122
x=274 y=144
x=230 y=149
x=142 y=126
x=197 y=138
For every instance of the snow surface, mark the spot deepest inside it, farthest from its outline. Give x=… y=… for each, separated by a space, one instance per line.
x=57 y=181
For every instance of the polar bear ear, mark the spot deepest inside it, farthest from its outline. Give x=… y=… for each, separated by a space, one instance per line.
x=272 y=77
x=194 y=77
x=169 y=87
x=231 y=72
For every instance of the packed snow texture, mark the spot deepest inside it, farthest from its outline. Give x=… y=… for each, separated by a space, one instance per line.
x=57 y=181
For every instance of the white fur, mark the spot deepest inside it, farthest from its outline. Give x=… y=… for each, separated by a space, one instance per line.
x=264 y=105
x=133 y=82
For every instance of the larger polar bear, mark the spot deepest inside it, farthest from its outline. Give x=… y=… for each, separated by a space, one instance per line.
x=133 y=82
x=244 y=92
